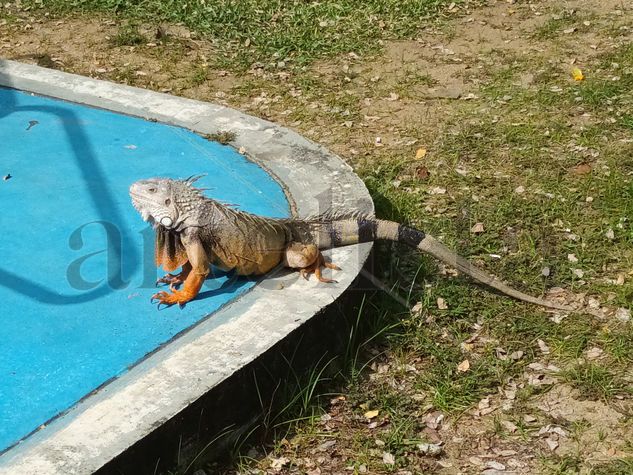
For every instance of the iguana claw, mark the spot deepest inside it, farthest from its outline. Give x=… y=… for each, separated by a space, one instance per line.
x=169 y=299
x=171 y=279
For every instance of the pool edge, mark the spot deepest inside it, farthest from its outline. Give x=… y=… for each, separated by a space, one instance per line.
x=126 y=410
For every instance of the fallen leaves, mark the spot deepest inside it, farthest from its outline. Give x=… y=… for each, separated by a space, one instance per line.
x=422 y=172
x=477 y=228
x=420 y=154
x=577 y=74
x=432 y=450
x=371 y=414
x=581 y=169
x=463 y=366
x=388 y=459
x=279 y=463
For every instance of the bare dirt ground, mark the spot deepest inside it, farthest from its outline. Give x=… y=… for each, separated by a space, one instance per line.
x=371 y=108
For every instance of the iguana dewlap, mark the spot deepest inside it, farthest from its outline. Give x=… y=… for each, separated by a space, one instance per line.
x=195 y=232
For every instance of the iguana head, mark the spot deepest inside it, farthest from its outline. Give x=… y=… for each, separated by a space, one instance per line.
x=166 y=202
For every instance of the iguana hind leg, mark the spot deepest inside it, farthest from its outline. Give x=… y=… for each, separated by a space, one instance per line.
x=307 y=258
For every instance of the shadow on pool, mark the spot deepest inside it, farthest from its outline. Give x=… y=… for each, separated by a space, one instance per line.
x=103 y=201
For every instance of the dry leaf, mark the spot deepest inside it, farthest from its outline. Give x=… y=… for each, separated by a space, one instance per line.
x=623 y=314
x=495 y=465
x=477 y=228
x=388 y=458
x=371 y=414
x=441 y=304
x=582 y=169
x=463 y=366
x=509 y=426
x=594 y=353
x=577 y=74
x=431 y=449
x=420 y=154
x=278 y=464
x=551 y=443
x=422 y=172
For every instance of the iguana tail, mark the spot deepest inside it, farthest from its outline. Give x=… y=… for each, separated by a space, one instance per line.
x=352 y=231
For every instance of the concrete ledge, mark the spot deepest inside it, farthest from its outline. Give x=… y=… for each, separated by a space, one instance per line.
x=160 y=388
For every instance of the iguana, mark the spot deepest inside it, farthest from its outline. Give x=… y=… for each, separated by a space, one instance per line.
x=195 y=232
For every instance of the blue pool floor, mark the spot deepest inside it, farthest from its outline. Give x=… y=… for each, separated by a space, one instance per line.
x=77 y=269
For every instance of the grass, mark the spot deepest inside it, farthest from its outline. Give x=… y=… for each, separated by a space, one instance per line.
x=269 y=31
x=623 y=466
x=128 y=35
x=224 y=137
x=594 y=381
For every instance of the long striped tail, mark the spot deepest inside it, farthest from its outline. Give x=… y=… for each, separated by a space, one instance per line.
x=352 y=231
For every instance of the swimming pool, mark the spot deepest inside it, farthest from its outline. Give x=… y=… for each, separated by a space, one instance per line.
x=77 y=270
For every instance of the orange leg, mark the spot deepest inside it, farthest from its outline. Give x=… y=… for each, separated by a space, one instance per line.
x=189 y=291
x=316 y=268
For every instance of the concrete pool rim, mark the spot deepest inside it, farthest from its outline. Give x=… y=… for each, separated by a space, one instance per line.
x=106 y=423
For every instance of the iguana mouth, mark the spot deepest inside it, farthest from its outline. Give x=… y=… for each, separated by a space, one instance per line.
x=141 y=203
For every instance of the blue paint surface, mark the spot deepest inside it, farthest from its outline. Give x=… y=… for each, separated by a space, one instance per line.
x=77 y=265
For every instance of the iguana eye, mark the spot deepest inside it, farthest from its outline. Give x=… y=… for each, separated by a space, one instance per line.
x=152 y=190
x=167 y=202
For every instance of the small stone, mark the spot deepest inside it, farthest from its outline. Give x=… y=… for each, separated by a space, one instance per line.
x=519 y=190
x=610 y=235
x=572 y=258
x=579 y=273
x=545 y=271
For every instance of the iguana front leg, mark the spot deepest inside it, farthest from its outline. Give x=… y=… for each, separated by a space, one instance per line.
x=199 y=264
x=176 y=279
